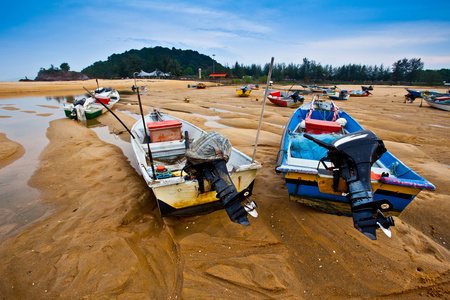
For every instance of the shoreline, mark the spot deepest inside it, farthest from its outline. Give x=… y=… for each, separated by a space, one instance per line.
x=14 y=89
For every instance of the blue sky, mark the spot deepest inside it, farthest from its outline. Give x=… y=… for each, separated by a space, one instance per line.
x=35 y=34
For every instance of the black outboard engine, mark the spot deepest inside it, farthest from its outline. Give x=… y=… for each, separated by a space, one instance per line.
x=207 y=159
x=73 y=114
x=353 y=156
x=296 y=97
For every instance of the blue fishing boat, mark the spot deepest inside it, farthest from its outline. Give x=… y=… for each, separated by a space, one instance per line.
x=414 y=93
x=332 y=164
x=337 y=94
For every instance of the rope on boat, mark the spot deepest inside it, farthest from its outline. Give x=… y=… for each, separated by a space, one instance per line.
x=278 y=157
x=393 y=168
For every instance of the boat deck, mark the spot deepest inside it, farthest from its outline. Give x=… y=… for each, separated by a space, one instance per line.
x=303 y=165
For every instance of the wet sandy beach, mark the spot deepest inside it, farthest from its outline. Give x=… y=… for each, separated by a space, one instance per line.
x=106 y=239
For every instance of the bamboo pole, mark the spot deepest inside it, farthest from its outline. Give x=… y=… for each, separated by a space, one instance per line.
x=262 y=108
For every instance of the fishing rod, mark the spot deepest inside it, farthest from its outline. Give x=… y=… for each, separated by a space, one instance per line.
x=291 y=87
x=147 y=134
x=90 y=94
x=262 y=108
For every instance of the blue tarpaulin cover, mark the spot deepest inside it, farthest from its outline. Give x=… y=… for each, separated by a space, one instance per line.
x=301 y=147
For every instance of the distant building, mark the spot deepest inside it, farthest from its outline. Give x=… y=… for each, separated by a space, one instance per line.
x=155 y=74
x=218 y=75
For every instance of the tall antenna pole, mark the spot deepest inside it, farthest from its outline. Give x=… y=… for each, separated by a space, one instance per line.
x=262 y=108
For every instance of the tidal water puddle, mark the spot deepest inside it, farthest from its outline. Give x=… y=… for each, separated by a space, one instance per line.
x=440 y=126
x=25 y=121
x=227 y=111
x=211 y=121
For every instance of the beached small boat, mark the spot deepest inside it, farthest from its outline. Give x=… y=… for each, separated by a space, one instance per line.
x=437 y=100
x=412 y=95
x=254 y=86
x=284 y=99
x=194 y=172
x=105 y=93
x=349 y=172
x=356 y=93
x=201 y=85
x=244 y=91
x=90 y=107
x=337 y=94
x=318 y=89
x=141 y=88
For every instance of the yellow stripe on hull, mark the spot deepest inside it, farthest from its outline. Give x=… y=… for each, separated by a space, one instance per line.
x=187 y=194
x=241 y=94
x=325 y=184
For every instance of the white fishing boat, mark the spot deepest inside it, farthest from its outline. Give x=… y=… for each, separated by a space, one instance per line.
x=285 y=99
x=193 y=172
x=437 y=100
x=90 y=107
x=337 y=94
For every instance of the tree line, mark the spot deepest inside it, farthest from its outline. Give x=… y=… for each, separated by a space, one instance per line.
x=309 y=71
x=185 y=63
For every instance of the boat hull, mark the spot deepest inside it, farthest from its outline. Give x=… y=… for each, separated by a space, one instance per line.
x=438 y=105
x=283 y=99
x=354 y=93
x=337 y=98
x=242 y=93
x=183 y=198
x=314 y=191
x=90 y=113
x=282 y=102
x=337 y=95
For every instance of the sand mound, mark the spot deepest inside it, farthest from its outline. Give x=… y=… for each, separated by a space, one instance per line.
x=9 y=151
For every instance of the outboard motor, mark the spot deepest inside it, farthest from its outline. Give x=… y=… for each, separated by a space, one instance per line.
x=353 y=156
x=207 y=159
x=296 y=97
x=81 y=102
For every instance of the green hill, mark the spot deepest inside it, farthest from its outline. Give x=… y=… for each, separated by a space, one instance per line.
x=176 y=61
